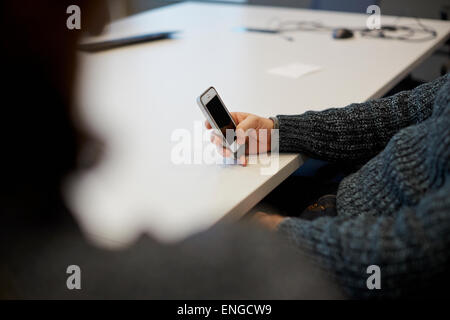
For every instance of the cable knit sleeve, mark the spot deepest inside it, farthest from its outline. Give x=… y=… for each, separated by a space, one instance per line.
x=410 y=249
x=360 y=130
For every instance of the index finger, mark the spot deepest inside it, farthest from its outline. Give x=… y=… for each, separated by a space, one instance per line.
x=207 y=124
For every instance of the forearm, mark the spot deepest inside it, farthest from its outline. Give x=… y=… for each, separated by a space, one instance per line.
x=411 y=248
x=358 y=131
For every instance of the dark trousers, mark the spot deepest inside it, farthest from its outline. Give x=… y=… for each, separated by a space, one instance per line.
x=310 y=195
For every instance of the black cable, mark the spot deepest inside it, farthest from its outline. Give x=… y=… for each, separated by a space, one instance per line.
x=411 y=32
x=382 y=33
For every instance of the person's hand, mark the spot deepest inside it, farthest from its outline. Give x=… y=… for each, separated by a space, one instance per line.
x=252 y=130
x=266 y=220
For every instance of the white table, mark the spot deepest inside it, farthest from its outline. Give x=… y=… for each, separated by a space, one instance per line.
x=135 y=97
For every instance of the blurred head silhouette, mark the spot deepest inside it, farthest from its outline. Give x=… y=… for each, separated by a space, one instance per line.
x=40 y=139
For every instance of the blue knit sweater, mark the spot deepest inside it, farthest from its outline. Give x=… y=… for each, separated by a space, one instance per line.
x=395 y=211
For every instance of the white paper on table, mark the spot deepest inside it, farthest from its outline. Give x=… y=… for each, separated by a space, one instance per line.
x=294 y=70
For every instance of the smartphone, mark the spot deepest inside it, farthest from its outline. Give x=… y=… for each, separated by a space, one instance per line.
x=218 y=116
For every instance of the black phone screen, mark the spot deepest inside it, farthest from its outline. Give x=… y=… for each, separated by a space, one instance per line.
x=221 y=117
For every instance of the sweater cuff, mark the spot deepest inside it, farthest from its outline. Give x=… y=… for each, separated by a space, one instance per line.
x=295 y=132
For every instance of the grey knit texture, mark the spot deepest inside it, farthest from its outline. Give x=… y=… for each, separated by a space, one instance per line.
x=395 y=211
